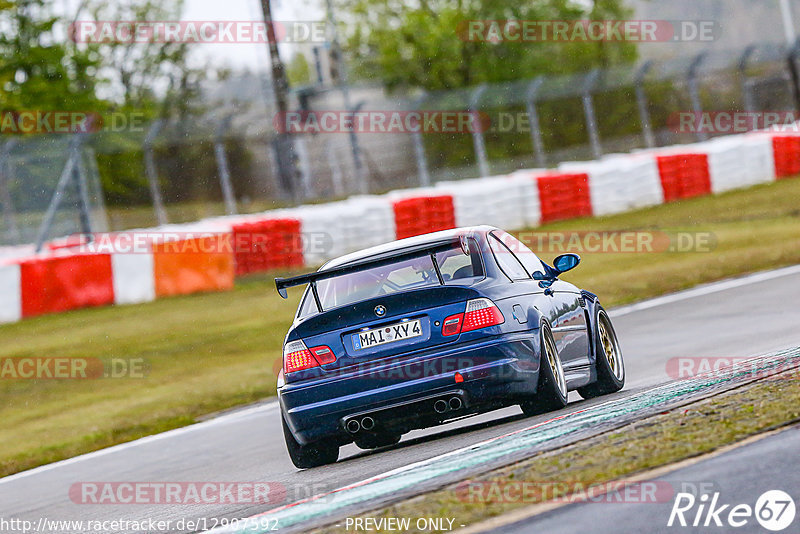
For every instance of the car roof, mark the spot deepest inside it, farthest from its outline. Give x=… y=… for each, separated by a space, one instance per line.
x=402 y=244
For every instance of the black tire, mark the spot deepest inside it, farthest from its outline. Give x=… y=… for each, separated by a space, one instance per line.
x=311 y=455
x=551 y=391
x=609 y=365
x=374 y=440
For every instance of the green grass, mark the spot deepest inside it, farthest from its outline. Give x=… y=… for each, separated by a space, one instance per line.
x=210 y=352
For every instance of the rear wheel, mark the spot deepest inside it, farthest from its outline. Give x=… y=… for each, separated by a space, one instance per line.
x=311 y=455
x=551 y=391
x=609 y=364
x=374 y=440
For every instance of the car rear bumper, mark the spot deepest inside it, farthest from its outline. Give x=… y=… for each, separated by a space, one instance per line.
x=400 y=393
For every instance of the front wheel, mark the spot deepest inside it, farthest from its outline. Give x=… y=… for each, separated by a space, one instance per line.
x=311 y=455
x=609 y=365
x=551 y=391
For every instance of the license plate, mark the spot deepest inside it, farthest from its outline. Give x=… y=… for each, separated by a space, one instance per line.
x=387 y=334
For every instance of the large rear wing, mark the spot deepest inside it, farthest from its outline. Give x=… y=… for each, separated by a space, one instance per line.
x=281 y=284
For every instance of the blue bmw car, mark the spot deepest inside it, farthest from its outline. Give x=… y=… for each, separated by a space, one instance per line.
x=431 y=328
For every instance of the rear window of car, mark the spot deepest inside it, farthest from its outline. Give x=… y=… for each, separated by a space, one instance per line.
x=405 y=275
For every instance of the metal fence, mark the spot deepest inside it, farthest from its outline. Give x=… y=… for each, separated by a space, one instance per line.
x=224 y=162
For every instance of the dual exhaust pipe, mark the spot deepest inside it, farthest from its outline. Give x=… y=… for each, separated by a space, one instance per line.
x=354 y=425
x=367 y=423
x=453 y=403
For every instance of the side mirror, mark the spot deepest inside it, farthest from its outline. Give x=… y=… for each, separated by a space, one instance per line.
x=566 y=262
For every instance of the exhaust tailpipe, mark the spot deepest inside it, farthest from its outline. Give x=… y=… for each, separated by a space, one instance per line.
x=368 y=423
x=353 y=426
x=440 y=406
x=455 y=403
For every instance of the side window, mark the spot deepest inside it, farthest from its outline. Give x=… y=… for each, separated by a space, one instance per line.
x=308 y=306
x=506 y=260
x=529 y=260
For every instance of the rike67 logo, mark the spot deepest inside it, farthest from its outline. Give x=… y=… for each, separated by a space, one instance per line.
x=774 y=510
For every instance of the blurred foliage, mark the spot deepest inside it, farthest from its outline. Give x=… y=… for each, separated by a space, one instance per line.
x=298 y=70
x=424 y=45
x=37 y=69
x=43 y=68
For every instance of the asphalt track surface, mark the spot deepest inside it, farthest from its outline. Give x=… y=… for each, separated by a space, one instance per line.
x=771 y=464
x=735 y=318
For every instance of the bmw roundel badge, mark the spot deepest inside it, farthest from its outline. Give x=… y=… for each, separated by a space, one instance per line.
x=380 y=311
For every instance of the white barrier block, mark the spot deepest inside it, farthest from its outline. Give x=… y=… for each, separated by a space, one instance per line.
x=370 y=221
x=133 y=277
x=495 y=201
x=320 y=220
x=760 y=161
x=10 y=293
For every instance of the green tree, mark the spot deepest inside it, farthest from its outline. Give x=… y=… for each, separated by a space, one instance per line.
x=38 y=68
x=298 y=71
x=424 y=44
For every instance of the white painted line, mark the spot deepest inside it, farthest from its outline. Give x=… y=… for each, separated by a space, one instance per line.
x=705 y=289
x=222 y=419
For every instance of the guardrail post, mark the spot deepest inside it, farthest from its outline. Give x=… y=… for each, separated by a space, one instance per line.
x=641 y=103
x=222 y=164
x=150 y=171
x=360 y=171
x=747 y=93
x=73 y=170
x=791 y=57
x=477 y=134
x=694 y=92
x=336 y=171
x=419 y=148
x=588 y=111
x=533 y=118
x=9 y=215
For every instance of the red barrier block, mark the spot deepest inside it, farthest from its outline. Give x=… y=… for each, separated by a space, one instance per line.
x=787 y=155
x=421 y=215
x=61 y=283
x=684 y=176
x=193 y=265
x=268 y=244
x=564 y=196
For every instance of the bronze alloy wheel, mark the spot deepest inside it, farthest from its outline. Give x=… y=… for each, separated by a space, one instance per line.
x=610 y=345
x=555 y=364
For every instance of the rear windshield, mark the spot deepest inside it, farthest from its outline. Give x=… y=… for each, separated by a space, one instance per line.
x=415 y=273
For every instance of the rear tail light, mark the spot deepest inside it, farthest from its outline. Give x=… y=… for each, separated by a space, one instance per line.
x=479 y=313
x=296 y=356
x=323 y=354
x=452 y=325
